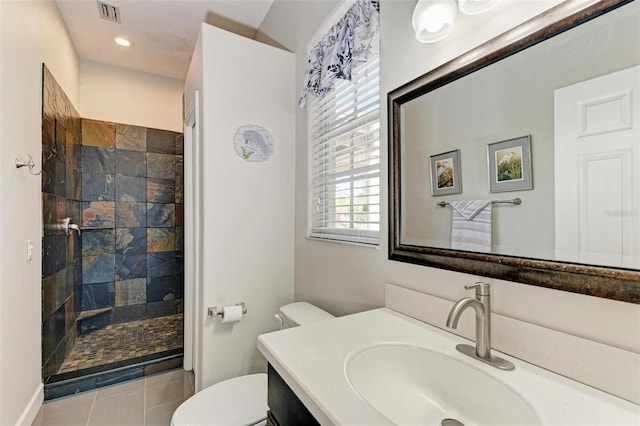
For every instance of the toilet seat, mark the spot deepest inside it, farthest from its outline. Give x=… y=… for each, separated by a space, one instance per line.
x=240 y=401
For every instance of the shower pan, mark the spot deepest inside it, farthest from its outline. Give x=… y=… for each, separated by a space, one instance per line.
x=112 y=257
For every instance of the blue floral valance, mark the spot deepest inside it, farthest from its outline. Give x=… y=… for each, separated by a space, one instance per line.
x=347 y=45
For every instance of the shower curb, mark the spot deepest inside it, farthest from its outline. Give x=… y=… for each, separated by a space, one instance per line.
x=62 y=386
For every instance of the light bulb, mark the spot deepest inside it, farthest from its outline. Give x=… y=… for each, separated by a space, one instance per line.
x=122 y=41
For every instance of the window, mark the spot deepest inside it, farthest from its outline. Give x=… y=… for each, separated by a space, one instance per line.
x=345 y=158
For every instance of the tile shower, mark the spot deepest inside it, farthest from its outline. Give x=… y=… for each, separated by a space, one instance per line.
x=112 y=295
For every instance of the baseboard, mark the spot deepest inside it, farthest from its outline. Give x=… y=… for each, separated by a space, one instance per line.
x=31 y=410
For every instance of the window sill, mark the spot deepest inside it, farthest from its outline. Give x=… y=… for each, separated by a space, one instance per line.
x=375 y=246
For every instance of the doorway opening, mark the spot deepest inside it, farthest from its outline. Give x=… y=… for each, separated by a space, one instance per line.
x=112 y=286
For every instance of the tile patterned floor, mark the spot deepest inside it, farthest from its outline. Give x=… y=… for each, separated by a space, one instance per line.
x=149 y=401
x=124 y=341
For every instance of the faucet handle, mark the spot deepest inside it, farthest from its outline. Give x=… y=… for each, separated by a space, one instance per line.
x=482 y=288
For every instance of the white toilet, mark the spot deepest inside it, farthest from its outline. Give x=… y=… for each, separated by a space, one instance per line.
x=241 y=401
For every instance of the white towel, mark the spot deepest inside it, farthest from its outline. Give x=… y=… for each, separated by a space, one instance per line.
x=471 y=225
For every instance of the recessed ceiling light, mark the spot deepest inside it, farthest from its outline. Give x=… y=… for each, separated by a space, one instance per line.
x=122 y=41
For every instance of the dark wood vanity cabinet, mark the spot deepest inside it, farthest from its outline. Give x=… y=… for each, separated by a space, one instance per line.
x=285 y=409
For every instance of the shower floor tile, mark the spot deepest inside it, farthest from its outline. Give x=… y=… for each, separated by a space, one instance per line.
x=120 y=342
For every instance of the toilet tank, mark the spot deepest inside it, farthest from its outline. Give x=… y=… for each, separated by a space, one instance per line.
x=301 y=313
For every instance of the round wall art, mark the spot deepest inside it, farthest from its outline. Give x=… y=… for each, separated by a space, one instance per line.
x=253 y=143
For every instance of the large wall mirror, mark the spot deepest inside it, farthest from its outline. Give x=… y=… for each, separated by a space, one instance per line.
x=520 y=159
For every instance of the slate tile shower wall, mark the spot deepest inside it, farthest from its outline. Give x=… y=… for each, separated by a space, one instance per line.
x=61 y=266
x=132 y=205
x=123 y=185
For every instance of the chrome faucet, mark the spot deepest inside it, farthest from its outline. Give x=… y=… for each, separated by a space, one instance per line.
x=67 y=226
x=482 y=306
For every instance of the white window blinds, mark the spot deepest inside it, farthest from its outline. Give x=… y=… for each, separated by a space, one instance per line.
x=345 y=159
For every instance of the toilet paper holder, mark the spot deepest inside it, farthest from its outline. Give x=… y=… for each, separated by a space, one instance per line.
x=214 y=312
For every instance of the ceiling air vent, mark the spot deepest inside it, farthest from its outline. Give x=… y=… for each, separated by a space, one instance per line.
x=109 y=12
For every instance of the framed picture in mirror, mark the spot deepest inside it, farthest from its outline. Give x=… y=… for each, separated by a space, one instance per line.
x=445 y=173
x=510 y=165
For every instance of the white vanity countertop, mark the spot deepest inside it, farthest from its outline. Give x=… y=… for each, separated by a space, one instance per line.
x=311 y=359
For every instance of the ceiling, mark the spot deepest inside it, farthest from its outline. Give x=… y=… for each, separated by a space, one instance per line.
x=163 y=32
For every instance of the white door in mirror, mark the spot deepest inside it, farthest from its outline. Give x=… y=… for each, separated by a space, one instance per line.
x=597 y=170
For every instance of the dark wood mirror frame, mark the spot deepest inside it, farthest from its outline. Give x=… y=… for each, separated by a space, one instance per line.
x=611 y=283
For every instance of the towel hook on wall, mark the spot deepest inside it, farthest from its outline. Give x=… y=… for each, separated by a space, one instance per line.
x=29 y=163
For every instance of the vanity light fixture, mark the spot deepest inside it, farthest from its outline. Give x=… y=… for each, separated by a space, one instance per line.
x=122 y=41
x=433 y=20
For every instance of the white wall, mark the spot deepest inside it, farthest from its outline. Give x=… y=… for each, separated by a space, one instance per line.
x=345 y=279
x=247 y=207
x=32 y=32
x=120 y=95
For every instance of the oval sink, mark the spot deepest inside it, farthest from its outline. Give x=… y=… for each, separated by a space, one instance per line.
x=411 y=385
